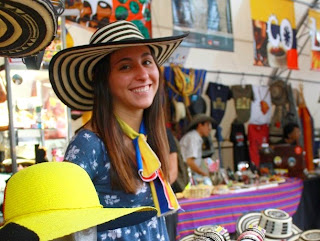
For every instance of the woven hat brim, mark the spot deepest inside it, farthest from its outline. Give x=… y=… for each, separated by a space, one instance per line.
x=294 y=237
x=27 y=28
x=58 y=223
x=252 y=218
x=70 y=69
x=195 y=122
x=190 y=237
x=310 y=234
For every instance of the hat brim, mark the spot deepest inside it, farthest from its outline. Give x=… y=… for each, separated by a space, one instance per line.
x=28 y=27
x=252 y=218
x=190 y=237
x=196 y=121
x=58 y=223
x=311 y=234
x=70 y=70
x=8 y=162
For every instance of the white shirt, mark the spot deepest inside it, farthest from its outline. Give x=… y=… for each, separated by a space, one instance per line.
x=191 y=146
x=256 y=115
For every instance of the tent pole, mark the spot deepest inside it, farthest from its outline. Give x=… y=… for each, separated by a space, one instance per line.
x=64 y=45
x=11 y=125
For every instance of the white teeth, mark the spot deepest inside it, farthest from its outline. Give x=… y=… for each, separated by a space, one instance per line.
x=142 y=89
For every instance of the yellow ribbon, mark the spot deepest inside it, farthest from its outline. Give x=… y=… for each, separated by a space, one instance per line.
x=151 y=169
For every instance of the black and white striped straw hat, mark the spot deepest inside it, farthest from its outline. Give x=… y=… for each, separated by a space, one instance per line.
x=309 y=235
x=276 y=223
x=26 y=26
x=70 y=70
x=216 y=232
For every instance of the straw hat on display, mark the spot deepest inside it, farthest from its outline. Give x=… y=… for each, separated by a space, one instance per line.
x=22 y=161
x=27 y=26
x=254 y=233
x=278 y=92
x=198 y=106
x=276 y=223
x=55 y=199
x=179 y=111
x=70 y=70
x=190 y=237
x=200 y=118
x=309 y=235
x=215 y=232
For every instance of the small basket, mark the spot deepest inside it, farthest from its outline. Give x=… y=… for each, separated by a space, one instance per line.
x=198 y=191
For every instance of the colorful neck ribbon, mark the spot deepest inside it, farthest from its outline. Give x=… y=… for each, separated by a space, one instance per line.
x=149 y=169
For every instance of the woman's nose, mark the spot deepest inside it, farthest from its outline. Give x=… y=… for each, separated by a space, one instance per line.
x=141 y=72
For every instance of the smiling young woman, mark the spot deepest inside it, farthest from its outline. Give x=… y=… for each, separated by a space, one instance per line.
x=124 y=145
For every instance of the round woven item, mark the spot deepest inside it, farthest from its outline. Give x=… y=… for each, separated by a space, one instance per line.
x=26 y=27
x=209 y=230
x=277 y=223
x=278 y=92
x=198 y=106
x=310 y=235
x=190 y=237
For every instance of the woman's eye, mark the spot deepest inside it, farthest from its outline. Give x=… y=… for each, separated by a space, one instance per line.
x=147 y=62
x=124 y=67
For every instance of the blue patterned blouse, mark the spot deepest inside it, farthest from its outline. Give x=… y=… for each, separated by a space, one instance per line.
x=88 y=151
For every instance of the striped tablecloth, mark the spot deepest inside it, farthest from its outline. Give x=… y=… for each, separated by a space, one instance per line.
x=225 y=209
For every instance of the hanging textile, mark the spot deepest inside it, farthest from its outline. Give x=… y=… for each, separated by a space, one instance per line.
x=184 y=82
x=307 y=128
x=184 y=85
x=242 y=95
x=219 y=95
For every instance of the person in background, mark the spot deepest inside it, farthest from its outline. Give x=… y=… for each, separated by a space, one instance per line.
x=191 y=146
x=124 y=147
x=57 y=201
x=173 y=157
x=291 y=134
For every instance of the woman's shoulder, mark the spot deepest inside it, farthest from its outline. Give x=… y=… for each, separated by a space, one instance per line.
x=85 y=136
x=87 y=150
x=87 y=142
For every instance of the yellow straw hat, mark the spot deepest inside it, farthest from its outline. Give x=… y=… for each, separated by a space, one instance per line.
x=55 y=199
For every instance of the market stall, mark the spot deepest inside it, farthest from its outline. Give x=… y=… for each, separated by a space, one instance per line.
x=225 y=209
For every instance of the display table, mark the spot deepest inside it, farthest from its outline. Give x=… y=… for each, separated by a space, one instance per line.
x=225 y=209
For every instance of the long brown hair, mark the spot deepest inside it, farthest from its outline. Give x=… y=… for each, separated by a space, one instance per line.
x=123 y=169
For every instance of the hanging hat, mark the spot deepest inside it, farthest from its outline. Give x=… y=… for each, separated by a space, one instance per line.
x=200 y=118
x=70 y=70
x=278 y=92
x=198 y=106
x=276 y=223
x=55 y=199
x=179 y=111
x=309 y=235
x=27 y=27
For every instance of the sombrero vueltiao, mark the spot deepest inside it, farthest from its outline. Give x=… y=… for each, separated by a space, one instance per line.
x=70 y=70
x=277 y=224
x=26 y=27
x=309 y=235
x=200 y=118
